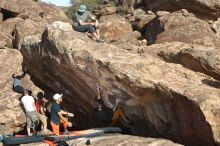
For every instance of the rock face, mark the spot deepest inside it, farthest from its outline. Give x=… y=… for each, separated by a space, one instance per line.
x=9 y=25
x=53 y=13
x=104 y=10
x=139 y=13
x=194 y=57
x=16 y=8
x=204 y=8
x=216 y=27
x=113 y=27
x=176 y=27
x=130 y=42
x=143 y=22
x=130 y=4
x=12 y=117
x=200 y=59
x=24 y=8
x=36 y=15
x=162 y=99
x=169 y=89
x=26 y=28
x=5 y=39
x=1 y=17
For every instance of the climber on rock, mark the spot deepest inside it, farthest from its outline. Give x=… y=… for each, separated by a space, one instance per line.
x=84 y=21
x=17 y=87
x=108 y=114
x=31 y=114
x=57 y=117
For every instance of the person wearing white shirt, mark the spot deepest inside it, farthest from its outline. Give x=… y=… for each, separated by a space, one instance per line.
x=30 y=109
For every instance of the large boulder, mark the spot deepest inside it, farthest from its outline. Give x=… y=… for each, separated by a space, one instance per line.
x=139 y=12
x=22 y=8
x=143 y=21
x=27 y=8
x=216 y=27
x=53 y=13
x=9 y=25
x=6 y=34
x=5 y=39
x=203 y=8
x=114 y=26
x=12 y=117
x=1 y=17
x=199 y=59
x=104 y=10
x=178 y=27
x=27 y=27
x=162 y=99
x=195 y=57
x=129 y=4
x=130 y=42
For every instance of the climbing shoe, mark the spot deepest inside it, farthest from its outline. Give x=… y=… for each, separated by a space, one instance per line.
x=67 y=132
x=100 y=41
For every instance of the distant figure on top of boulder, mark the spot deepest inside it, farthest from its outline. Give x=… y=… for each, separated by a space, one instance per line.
x=84 y=21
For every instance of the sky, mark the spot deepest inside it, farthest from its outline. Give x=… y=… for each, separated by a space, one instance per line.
x=64 y=3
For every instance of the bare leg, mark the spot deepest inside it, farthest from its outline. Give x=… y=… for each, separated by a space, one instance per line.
x=45 y=127
x=98 y=91
x=29 y=131
x=97 y=28
x=117 y=114
x=95 y=35
x=97 y=32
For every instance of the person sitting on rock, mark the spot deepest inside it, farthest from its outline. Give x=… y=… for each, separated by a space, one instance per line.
x=84 y=21
x=17 y=87
x=31 y=114
x=41 y=110
x=107 y=114
x=57 y=117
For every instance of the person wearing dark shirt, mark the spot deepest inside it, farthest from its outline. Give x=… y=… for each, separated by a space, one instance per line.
x=17 y=87
x=57 y=115
x=108 y=114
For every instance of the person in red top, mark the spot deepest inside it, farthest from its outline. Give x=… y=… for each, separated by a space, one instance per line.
x=40 y=107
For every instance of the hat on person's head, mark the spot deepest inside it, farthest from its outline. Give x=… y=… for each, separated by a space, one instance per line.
x=82 y=8
x=57 y=96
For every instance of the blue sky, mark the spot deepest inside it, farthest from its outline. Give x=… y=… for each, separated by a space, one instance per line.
x=58 y=2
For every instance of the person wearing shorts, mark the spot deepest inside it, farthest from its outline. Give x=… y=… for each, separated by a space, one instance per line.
x=31 y=114
x=56 y=115
x=84 y=21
